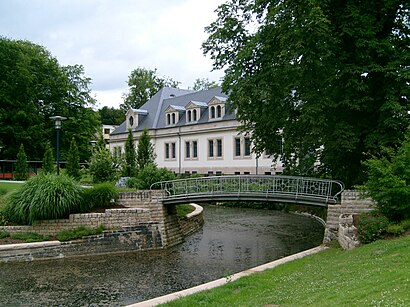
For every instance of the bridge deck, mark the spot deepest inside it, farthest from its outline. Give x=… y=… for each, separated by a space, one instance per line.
x=287 y=189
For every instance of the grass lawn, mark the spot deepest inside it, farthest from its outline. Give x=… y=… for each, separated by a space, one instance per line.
x=376 y=274
x=10 y=185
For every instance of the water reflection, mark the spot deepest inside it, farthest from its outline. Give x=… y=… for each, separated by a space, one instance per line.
x=232 y=240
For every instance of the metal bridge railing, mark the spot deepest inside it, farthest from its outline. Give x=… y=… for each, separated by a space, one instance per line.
x=324 y=190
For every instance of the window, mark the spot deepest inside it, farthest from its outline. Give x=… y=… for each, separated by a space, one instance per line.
x=168 y=119
x=173 y=119
x=219 y=148
x=131 y=121
x=211 y=148
x=195 y=149
x=106 y=131
x=237 y=147
x=191 y=149
x=219 y=111
x=215 y=148
x=170 y=151
x=212 y=112
x=194 y=112
x=187 y=150
x=189 y=116
x=247 y=144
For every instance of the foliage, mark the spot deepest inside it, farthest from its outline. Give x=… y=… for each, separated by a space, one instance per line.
x=48 y=160
x=143 y=84
x=388 y=182
x=99 y=196
x=4 y=234
x=101 y=166
x=149 y=175
x=184 y=209
x=130 y=158
x=29 y=237
x=33 y=87
x=111 y=116
x=43 y=197
x=371 y=227
x=21 y=172
x=78 y=233
x=381 y=268
x=329 y=78
x=395 y=230
x=73 y=161
x=204 y=84
x=145 y=151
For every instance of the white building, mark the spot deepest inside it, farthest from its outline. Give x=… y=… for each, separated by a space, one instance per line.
x=193 y=132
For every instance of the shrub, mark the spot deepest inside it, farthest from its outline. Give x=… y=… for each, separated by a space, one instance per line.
x=4 y=234
x=102 y=168
x=394 y=229
x=149 y=175
x=44 y=197
x=405 y=224
x=78 y=233
x=371 y=226
x=99 y=196
x=21 y=172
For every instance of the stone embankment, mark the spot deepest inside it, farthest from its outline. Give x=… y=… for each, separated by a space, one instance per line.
x=144 y=225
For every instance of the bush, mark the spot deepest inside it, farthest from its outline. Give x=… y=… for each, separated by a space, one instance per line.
x=78 y=233
x=405 y=224
x=371 y=226
x=102 y=168
x=149 y=175
x=4 y=234
x=99 y=196
x=394 y=229
x=43 y=197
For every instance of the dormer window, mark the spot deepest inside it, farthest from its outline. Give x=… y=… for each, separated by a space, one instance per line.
x=173 y=115
x=134 y=117
x=217 y=108
x=193 y=111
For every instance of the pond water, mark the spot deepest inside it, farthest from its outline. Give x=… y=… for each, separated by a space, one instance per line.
x=232 y=240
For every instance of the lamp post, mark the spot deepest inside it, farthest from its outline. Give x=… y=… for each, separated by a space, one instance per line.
x=57 y=120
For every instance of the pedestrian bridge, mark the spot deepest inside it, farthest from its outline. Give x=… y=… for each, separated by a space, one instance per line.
x=283 y=189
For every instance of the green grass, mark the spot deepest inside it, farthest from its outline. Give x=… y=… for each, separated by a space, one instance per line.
x=78 y=233
x=6 y=187
x=377 y=274
x=184 y=209
x=29 y=237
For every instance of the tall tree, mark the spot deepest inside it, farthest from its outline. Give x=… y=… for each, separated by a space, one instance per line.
x=111 y=116
x=143 y=84
x=21 y=172
x=48 y=160
x=73 y=161
x=328 y=77
x=201 y=84
x=130 y=159
x=33 y=87
x=145 y=151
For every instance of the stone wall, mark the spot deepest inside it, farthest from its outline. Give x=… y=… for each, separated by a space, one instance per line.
x=352 y=202
x=193 y=221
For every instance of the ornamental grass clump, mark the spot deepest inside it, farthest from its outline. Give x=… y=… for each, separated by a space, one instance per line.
x=44 y=197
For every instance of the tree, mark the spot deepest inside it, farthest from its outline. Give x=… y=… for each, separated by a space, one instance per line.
x=48 y=160
x=330 y=78
x=143 y=84
x=21 y=172
x=204 y=84
x=130 y=158
x=101 y=166
x=111 y=116
x=145 y=151
x=33 y=87
x=73 y=161
x=388 y=182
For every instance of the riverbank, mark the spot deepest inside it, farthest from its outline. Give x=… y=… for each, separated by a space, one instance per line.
x=376 y=274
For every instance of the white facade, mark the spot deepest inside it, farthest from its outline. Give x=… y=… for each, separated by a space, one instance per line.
x=195 y=136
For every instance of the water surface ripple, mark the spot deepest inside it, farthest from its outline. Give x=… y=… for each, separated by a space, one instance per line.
x=232 y=240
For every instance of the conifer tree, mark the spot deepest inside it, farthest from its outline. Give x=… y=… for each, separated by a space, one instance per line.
x=48 y=160
x=130 y=158
x=145 y=151
x=73 y=161
x=21 y=172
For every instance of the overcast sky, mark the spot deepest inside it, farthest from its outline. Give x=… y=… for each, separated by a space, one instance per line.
x=110 y=38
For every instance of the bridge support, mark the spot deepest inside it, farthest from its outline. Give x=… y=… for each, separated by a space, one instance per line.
x=351 y=203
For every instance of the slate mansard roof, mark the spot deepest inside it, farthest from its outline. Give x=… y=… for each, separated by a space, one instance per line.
x=177 y=99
